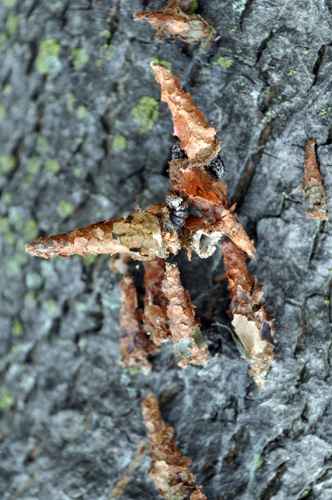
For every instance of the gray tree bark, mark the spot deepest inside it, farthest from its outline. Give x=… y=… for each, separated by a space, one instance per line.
x=73 y=151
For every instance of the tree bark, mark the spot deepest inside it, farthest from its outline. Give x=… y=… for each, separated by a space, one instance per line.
x=83 y=135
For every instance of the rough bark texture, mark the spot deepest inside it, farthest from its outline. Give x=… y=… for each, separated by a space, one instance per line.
x=83 y=135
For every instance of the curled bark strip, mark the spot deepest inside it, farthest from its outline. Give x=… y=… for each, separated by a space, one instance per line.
x=135 y=345
x=253 y=327
x=174 y=21
x=190 y=344
x=139 y=235
x=155 y=317
x=169 y=468
x=312 y=186
x=197 y=138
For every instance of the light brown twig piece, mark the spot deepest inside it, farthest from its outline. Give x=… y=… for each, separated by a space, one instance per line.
x=169 y=468
x=312 y=186
x=253 y=327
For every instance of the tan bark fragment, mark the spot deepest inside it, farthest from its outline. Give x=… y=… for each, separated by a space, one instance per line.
x=197 y=138
x=190 y=344
x=169 y=468
x=174 y=21
x=312 y=186
x=155 y=317
x=253 y=327
x=134 y=344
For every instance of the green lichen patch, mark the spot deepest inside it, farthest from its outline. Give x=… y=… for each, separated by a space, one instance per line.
x=163 y=61
x=82 y=343
x=106 y=52
x=4 y=225
x=80 y=58
x=33 y=165
x=324 y=111
x=7 y=163
x=50 y=306
x=9 y=3
x=13 y=266
x=81 y=112
x=6 y=198
x=70 y=101
x=118 y=143
x=225 y=63
x=10 y=238
x=30 y=229
x=6 y=400
x=145 y=113
x=105 y=34
x=42 y=145
x=12 y=23
x=3 y=39
x=52 y=166
x=3 y=112
x=292 y=72
x=30 y=299
x=17 y=329
x=47 y=55
x=64 y=208
x=7 y=89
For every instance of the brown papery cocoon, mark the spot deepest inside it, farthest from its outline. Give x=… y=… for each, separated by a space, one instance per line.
x=252 y=325
x=197 y=138
x=134 y=343
x=312 y=186
x=190 y=344
x=169 y=467
x=139 y=235
x=155 y=317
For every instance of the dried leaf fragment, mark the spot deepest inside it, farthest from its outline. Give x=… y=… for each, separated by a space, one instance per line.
x=169 y=468
x=139 y=235
x=155 y=317
x=197 y=138
x=253 y=326
x=172 y=20
x=191 y=346
x=312 y=186
x=135 y=345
